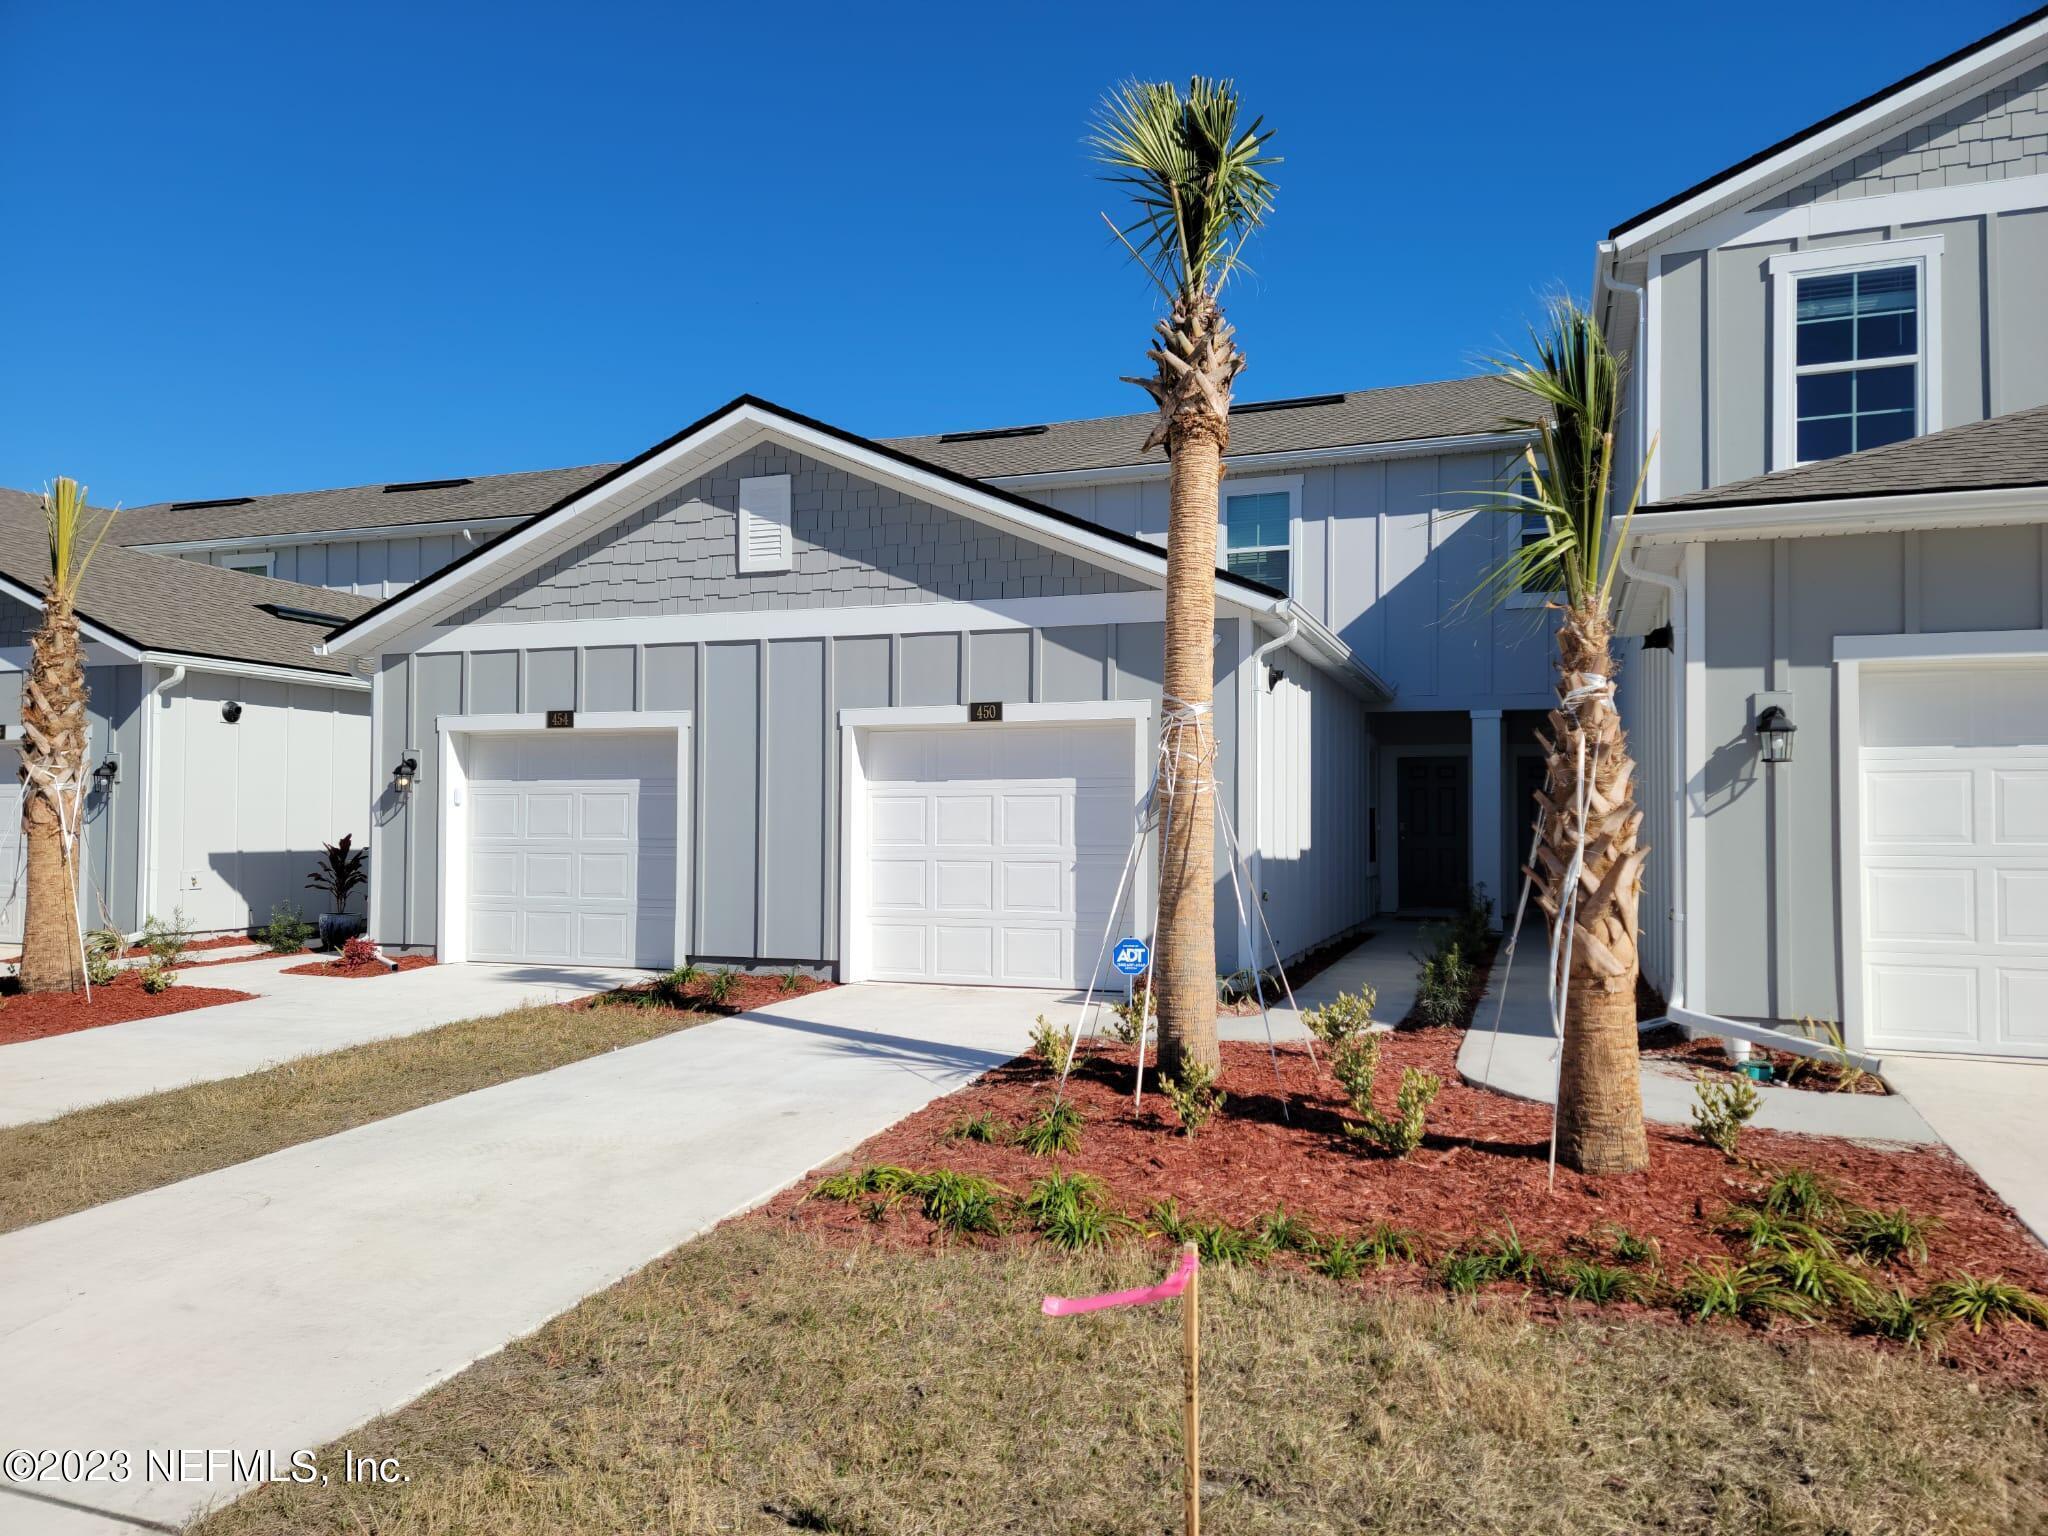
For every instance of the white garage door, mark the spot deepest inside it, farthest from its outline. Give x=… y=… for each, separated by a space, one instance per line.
x=13 y=868
x=992 y=852
x=1954 y=841
x=572 y=848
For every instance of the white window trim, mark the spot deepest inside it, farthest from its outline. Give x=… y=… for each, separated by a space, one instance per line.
x=248 y=561
x=1263 y=485
x=1786 y=269
x=764 y=499
x=451 y=934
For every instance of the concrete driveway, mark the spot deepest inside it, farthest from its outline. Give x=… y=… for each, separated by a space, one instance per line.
x=290 y=1016
x=283 y=1302
x=1994 y=1115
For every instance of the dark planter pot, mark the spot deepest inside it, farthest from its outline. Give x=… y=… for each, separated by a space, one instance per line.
x=337 y=928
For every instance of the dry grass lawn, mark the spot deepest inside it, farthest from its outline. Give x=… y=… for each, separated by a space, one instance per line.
x=768 y=1380
x=96 y=1155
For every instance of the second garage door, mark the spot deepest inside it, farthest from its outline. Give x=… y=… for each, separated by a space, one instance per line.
x=992 y=852
x=572 y=849
x=1954 y=851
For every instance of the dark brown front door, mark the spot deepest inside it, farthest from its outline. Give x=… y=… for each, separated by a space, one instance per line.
x=1435 y=830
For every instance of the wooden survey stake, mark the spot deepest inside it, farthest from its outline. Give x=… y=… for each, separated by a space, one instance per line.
x=1191 y=1411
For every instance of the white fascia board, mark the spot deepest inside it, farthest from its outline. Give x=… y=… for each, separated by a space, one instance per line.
x=1859 y=514
x=1298 y=458
x=1888 y=210
x=444 y=527
x=91 y=631
x=717 y=441
x=923 y=716
x=1809 y=154
x=1320 y=644
x=1980 y=645
x=255 y=669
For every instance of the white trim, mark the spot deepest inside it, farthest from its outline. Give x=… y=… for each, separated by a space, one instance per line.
x=86 y=627
x=1343 y=453
x=802 y=623
x=1248 y=757
x=1981 y=645
x=15 y=658
x=1264 y=485
x=1998 y=507
x=762 y=541
x=255 y=669
x=1650 y=435
x=1886 y=210
x=450 y=887
x=718 y=441
x=448 y=528
x=1807 y=155
x=1924 y=256
x=379 y=838
x=1691 y=963
x=856 y=724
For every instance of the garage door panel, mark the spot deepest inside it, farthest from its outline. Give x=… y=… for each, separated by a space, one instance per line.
x=964 y=953
x=493 y=814
x=1037 y=886
x=603 y=936
x=547 y=875
x=964 y=821
x=896 y=883
x=493 y=874
x=494 y=932
x=1928 y=1004
x=1035 y=820
x=606 y=815
x=1911 y=903
x=899 y=950
x=964 y=885
x=547 y=933
x=2021 y=901
x=896 y=819
x=1915 y=809
x=549 y=815
x=1037 y=954
x=2020 y=807
x=2022 y=1007
x=604 y=876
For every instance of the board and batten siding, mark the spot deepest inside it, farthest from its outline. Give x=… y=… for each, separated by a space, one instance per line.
x=1388 y=552
x=1773 y=609
x=377 y=568
x=764 y=801
x=1315 y=807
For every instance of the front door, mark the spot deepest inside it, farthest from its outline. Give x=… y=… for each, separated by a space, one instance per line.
x=1435 y=831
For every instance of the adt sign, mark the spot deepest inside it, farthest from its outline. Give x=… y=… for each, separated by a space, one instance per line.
x=1131 y=957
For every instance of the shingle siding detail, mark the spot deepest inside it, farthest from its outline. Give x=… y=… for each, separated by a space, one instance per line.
x=855 y=544
x=1993 y=136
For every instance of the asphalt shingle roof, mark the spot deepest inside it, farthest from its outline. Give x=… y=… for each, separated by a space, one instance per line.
x=161 y=603
x=1452 y=408
x=2005 y=452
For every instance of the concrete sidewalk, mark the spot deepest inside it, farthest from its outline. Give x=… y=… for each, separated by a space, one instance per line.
x=290 y=1016
x=1520 y=1061
x=283 y=1302
x=1992 y=1115
x=1385 y=962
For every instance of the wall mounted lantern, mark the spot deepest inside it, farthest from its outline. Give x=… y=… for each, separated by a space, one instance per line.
x=107 y=774
x=1774 y=730
x=403 y=775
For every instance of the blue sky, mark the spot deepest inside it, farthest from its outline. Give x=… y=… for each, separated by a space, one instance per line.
x=271 y=247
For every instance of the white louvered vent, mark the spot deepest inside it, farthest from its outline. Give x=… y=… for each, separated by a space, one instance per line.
x=764 y=523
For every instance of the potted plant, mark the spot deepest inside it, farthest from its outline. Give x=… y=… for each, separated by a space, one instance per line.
x=343 y=872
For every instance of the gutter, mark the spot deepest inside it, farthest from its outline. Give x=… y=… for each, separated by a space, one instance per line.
x=1285 y=458
x=1296 y=625
x=259 y=670
x=154 y=697
x=1878 y=512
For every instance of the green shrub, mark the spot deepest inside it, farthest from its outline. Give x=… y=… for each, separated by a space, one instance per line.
x=1601 y=1284
x=1245 y=986
x=1379 y=1245
x=1054 y=1046
x=1069 y=1212
x=1281 y=1233
x=1894 y=1314
x=791 y=980
x=1886 y=1237
x=167 y=939
x=1344 y=1016
x=1339 y=1258
x=1719 y=1288
x=984 y=1128
x=1442 y=985
x=1512 y=1259
x=1194 y=1096
x=1357 y=1063
x=1817 y=1276
x=1127 y=1015
x=103 y=947
x=1055 y=1129
x=158 y=978
x=1463 y=1273
x=1801 y=1194
x=961 y=1203
x=1762 y=1231
x=1724 y=1107
x=288 y=931
x=1629 y=1248
x=1218 y=1242
x=1967 y=1299
x=720 y=986
x=886 y=1179
x=1473 y=926
x=1168 y=1222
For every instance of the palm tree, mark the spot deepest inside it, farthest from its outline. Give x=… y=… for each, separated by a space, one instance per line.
x=53 y=753
x=1199 y=189
x=1574 y=382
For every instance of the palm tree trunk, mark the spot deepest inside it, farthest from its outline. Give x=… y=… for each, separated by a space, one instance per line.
x=53 y=727
x=1184 y=971
x=1600 y=1098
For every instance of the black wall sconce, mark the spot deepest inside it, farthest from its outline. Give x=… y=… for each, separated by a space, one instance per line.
x=404 y=775
x=231 y=711
x=1774 y=730
x=107 y=774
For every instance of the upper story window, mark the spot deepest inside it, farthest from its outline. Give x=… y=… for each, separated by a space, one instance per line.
x=1258 y=529
x=258 y=564
x=1857 y=343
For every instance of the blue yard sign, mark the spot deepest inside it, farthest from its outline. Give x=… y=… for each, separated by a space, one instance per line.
x=1131 y=957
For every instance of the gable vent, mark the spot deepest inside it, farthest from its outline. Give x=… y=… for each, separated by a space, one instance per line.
x=423 y=485
x=1255 y=406
x=764 y=537
x=223 y=501
x=990 y=434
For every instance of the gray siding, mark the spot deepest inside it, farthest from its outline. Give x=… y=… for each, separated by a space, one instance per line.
x=766 y=742
x=856 y=544
x=1773 y=611
x=2000 y=133
x=366 y=567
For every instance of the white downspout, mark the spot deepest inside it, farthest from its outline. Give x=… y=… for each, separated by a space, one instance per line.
x=1681 y=937
x=1255 y=835
x=152 y=753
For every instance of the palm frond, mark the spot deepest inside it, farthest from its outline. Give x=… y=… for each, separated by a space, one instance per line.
x=1196 y=178
x=1575 y=382
x=72 y=545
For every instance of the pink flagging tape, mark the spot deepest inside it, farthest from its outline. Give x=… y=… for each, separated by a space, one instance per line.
x=1165 y=1290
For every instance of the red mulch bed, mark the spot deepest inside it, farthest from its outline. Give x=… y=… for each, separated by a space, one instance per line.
x=1707 y=1055
x=366 y=968
x=38 y=1015
x=1482 y=1165
x=221 y=941
x=748 y=991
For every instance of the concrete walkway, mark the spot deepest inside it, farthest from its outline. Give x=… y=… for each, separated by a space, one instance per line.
x=1994 y=1115
x=290 y=1016
x=283 y=1302
x=1520 y=1062
x=1385 y=962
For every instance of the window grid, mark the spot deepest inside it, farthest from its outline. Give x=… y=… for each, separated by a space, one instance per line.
x=1856 y=364
x=1258 y=535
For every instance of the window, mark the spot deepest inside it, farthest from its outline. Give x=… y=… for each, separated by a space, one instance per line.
x=1258 y=529
x=252 y=565
x=1530 y=526
x=1859 y=365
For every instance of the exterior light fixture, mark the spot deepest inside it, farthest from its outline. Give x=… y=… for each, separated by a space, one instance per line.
x=107 y=774
x=231 y=711
x=1774 y=730
x=403 y=775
